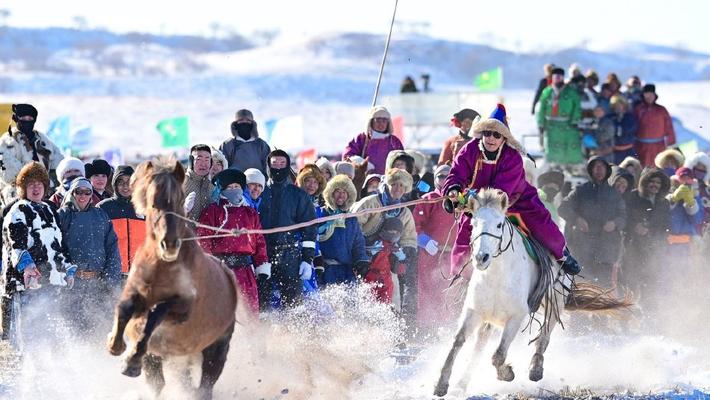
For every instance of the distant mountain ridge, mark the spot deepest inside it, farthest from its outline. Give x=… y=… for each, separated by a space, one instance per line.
x=334 y=66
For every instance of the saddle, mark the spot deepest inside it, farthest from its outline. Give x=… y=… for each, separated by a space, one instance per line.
x=524 y=232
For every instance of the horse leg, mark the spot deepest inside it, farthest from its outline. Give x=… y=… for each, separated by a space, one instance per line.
x=467 y=325
x=132 y=365
x=127 y=308
x=153 y=366
x=540 y=347
x=213 y=358
x=484 y=333
x=505 y=371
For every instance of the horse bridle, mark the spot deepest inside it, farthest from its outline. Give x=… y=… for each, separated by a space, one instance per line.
x=501 y=249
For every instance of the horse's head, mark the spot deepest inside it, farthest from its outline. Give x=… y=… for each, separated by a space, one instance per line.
x=158 y=194
x=487 y=223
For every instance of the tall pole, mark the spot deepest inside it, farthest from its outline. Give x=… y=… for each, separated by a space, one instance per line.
x=384 y=56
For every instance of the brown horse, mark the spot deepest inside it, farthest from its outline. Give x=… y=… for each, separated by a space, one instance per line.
x=177 y=300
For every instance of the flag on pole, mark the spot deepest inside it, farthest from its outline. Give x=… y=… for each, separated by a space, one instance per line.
x=175 y=132
x=489 y=80
x=81 y=139
x=307 y=156
x=114 y=156
x=60 y=133
x=285 y=133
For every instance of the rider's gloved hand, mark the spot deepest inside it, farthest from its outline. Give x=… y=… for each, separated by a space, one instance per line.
x=451 y=200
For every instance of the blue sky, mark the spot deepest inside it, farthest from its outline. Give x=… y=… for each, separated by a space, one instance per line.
x=524 y=24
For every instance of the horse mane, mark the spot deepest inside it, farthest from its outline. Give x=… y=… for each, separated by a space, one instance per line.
x=489 y=197
x=158 y=182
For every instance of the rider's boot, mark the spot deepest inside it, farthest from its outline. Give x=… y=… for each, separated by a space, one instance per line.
x=569 y=264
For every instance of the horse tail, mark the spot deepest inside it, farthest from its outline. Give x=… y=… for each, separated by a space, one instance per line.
x=589 y=297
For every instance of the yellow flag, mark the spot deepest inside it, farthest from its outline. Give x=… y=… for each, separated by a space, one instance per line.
x=5 y=117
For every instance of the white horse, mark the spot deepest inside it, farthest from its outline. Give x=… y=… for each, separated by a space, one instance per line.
x=499 y=289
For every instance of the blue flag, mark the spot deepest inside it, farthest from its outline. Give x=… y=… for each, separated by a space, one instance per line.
x=59 y=132
x=81 y=139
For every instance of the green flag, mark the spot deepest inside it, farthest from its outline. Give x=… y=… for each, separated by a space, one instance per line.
x=174 y=132
x=489 y=80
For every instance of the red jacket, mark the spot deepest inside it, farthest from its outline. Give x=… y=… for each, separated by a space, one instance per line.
x=654 y=123
x=227 y=216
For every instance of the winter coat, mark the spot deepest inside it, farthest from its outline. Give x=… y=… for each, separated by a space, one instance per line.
x=472 y=170
x=381 y=273
x=97 y=197
x=91 y=241
x=129 y=227
x=31 y=229
x=433 y=223
x=596 y=203
x=655 y=132
x=654 y=215
x=371 y=223
x=244 y=154
x=229 y=216
x=686 y=220
x=544 y=83
x=342 y=240
x=451 y=148
x=376 y=149
x=203 y=187
x=562 y=137
x=16 y=151
x=284 y=204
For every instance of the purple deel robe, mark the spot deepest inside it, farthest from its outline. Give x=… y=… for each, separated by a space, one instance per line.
x=377 y=150
x=506 y=174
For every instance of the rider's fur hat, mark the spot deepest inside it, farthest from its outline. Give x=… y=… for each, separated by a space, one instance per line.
x=32 y=171
x=339 y=182
x=498 y=122
x=311 y=171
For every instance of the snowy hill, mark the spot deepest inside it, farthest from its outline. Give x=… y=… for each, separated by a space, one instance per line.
x=122 y=85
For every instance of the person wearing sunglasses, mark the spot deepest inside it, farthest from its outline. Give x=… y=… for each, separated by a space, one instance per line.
x=496 y=160
x=91 y=244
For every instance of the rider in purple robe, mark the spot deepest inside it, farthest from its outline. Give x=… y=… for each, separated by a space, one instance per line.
x=495 y=161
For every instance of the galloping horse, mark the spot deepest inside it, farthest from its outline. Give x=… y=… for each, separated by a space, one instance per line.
x=177 y=300
x=499 y=291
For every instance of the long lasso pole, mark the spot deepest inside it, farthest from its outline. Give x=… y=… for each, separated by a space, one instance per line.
x=384 y=56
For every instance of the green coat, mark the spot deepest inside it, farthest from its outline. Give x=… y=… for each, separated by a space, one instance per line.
x=563 y=142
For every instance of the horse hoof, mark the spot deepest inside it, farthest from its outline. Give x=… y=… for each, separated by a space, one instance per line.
x=535 y=374
x=505 y=373
x=441 y=390
x=132 y=370
x=116 y=346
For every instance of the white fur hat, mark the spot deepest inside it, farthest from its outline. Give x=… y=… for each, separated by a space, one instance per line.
x=255 y=176
x=69 y=163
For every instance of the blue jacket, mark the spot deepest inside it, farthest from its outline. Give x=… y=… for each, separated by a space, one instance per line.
x=91 y=241
x=624 y=128
x=284 y=205
x=683 y=223
x=342 y=241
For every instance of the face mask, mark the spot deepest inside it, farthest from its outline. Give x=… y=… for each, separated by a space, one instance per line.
x=244 y=130
x=670 y=171
x=234 y=196
x=26 y=126
x=278 y=175
x=67 y=182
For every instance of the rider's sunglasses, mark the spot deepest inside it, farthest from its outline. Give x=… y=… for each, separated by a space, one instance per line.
x=491 y=133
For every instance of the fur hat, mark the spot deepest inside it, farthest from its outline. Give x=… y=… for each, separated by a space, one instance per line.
x=395 y=155
x=98 y=166
x=395 y=175
x=552 y=176
x=649 y=173
x=69 y=163
x=23 y=110
x=253 y=175
x=218 y=157
x=339 y=182
x=699 y=158
x=635 y=163
x=325 y=165
x=311 y=171
x=359 y=160
x=228 y=176
x=244 y=113
x=345 y=168
x=379 y=112
x=442 y=169
x=622 y=173
x=498 y=122
x=419 y=161
x=666 y=155
x=32 y=171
